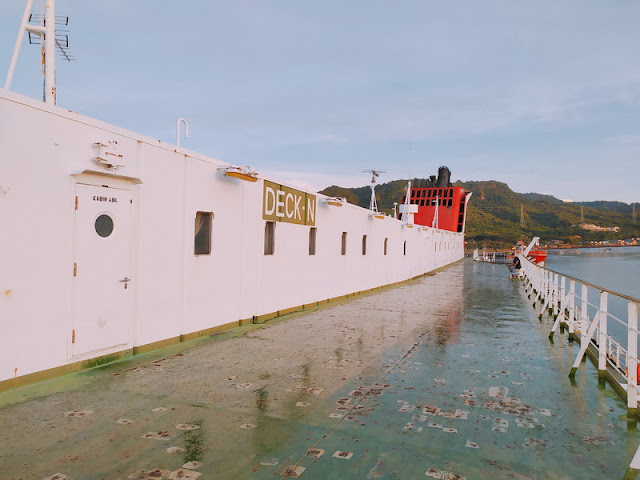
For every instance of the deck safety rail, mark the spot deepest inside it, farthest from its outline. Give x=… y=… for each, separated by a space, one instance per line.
x=493 y=257
x=586 y=311
x=591 y=320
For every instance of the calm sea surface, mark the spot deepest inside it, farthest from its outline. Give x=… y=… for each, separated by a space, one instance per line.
x=617 y=269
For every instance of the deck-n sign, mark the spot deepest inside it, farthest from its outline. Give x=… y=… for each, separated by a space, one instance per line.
x=286 y=204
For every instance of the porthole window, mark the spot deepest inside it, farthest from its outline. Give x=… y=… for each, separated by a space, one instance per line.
x=104 y=225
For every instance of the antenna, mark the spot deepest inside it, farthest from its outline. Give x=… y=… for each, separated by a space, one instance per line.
x=43 y=33
x=61 y=36
x=373 y=204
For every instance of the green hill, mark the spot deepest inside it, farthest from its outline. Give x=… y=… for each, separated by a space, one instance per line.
x=494 y=213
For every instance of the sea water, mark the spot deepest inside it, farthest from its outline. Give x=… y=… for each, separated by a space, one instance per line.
x=615 y=269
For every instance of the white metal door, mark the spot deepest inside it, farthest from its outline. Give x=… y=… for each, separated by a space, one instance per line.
x=103 y=299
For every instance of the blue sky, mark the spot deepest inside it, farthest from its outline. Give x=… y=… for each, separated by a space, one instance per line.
x=543 y=95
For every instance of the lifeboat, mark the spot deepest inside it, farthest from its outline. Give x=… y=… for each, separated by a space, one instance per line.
x=539 y=257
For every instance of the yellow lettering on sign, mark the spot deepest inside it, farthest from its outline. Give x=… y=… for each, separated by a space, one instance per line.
x=286 y=204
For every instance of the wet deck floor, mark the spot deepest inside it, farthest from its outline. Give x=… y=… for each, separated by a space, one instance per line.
x=450 y=376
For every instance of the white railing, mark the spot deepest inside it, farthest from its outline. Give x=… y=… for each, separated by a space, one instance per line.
x=492 y=257
x=589 y=319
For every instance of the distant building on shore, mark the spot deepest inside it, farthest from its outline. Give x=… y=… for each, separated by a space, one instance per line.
x=595 y=228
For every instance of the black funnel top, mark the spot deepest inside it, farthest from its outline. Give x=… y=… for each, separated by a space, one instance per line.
x=444 y=176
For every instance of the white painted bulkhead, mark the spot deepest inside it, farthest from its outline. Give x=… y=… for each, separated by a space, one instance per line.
x=67 y=293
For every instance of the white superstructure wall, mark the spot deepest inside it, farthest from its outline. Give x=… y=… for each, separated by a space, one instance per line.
x=143 y=278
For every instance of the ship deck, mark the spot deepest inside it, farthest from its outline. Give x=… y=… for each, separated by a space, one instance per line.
x=448 y=376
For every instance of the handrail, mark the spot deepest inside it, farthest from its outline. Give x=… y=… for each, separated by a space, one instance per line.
x=619 y=363
x=592 y=285
x=570 y=306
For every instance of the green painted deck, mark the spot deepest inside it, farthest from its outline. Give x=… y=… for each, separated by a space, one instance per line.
x=449 y=376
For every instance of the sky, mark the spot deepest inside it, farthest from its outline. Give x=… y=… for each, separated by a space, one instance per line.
x=544 y=95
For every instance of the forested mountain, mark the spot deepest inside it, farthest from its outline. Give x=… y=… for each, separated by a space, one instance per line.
x=498 y=216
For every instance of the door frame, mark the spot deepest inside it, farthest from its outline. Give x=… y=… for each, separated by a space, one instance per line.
x=119 y=184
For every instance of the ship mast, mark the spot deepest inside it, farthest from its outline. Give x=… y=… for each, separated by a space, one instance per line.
x=45 y=31
x=435 y=213
x=373 y=204
x=407 y=216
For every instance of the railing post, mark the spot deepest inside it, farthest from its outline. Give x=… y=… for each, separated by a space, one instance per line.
x=562 y=296
x=584 y=314
x=544 y=291
x=558 y=310
x=632 y=358
x=555 y=294
x=634 y=467
x=602 y=336
x=572 y=308
x=549 y=291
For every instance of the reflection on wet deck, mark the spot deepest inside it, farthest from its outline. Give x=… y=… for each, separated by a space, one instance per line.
x=448 y=377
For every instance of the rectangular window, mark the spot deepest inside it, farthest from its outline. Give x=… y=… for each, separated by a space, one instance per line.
x=312 y=240
x=269 y=238
x=386 y=241
x=202 y=237
x=343 y=246
x=364 y=244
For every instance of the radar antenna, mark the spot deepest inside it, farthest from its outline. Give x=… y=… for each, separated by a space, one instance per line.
x=373 y=204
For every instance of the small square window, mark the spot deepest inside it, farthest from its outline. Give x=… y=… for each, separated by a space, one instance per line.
x=202 y=238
